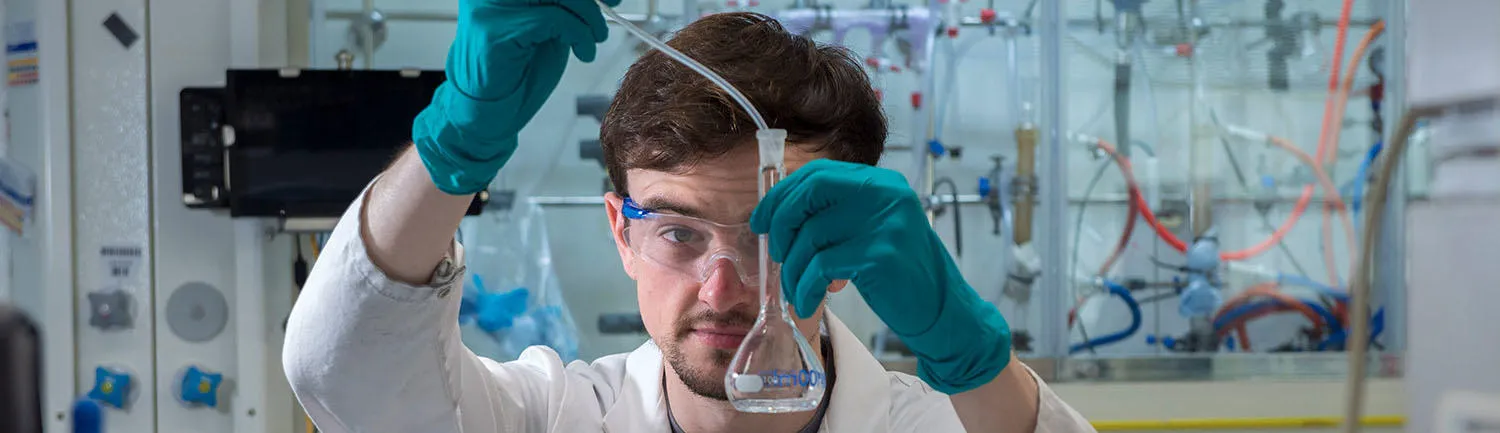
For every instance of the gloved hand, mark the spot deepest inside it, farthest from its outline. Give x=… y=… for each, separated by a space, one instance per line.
x=833 y=220
x=506 y=59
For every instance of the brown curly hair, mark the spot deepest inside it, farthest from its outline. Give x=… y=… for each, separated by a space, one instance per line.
x=666 y=117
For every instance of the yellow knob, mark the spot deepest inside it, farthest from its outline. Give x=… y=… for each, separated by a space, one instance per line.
x=108 y=387
x=203 y=386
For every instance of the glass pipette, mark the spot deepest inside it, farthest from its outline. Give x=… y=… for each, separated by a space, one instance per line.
x=775 y=369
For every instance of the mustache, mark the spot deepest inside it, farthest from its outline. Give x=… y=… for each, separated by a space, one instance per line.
x=729 y=319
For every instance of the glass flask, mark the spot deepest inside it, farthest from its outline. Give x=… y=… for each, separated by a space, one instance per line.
x=775 y=369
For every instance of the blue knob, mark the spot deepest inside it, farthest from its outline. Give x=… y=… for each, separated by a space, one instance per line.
x=110 y=387
x=936 y=147
x=1229 y=343
x=984 y=186
x=1169 y=342
x=200 y=387
x=1151 y=339
x=88 y=417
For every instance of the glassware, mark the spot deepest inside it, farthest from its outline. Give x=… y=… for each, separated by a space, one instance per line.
x=775 y=369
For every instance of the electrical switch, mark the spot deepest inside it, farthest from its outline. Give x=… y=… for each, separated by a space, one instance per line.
x=201 y=388
x=111 y=387
x=110 y=310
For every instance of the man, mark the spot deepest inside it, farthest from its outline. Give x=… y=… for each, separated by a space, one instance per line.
x=373 y=343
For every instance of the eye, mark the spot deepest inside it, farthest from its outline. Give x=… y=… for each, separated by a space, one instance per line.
x=680 y=235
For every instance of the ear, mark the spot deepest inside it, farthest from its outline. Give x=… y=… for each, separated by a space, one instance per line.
x=612 y=205
x=837 y=286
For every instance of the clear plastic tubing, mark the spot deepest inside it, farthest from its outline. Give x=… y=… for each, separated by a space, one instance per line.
x=739 y=98
x=775 y=369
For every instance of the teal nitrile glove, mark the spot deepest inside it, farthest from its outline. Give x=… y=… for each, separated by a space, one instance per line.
x=833 y=220
x=506 y=59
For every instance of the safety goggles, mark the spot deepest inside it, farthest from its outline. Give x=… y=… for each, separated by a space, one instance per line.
x=691 y=246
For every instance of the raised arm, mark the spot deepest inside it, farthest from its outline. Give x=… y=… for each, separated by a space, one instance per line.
x=408 y=222
x=372 y=343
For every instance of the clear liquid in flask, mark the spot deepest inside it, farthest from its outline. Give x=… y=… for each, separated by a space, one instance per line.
x=775 y=369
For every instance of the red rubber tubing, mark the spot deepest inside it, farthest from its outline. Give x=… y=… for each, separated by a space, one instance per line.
x=1132 y=209
x=1139 y=201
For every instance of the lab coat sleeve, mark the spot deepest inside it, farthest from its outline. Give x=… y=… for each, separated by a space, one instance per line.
x=1054 y=415
x=365 y=353
x=919 y=408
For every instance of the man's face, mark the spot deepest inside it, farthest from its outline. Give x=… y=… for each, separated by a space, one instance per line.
x=698 y=319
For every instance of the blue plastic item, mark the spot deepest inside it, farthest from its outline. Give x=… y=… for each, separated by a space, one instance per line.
x=110 y=387
x=498 y=311
x=1199 y=298
x=1377 y=326
x=491 y=311
x=200 y=387
x=88 y=416
x=1135 y=321
x=936 y=147
x=1203 y=256
x=984 y=186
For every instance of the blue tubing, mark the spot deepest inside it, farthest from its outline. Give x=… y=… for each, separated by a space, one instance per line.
x=1298 y=280
x=1135 y=320
x=1377 y=326
x=1241 y=311
x=1357 y=185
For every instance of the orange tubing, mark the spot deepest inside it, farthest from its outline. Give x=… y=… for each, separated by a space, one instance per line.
x=1141 y=206
x=1136 y=202
x=1332 y=200
x=1241 y=326
x=1268 y=290
x=1244 y=336
x=1338 y=99
x=1333 y=77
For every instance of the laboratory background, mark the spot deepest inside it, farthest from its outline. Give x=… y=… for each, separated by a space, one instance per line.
x=1197 y=215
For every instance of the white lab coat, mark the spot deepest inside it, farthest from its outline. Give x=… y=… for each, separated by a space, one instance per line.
x=365 y=353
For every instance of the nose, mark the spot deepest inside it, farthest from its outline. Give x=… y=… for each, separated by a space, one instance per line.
x=724 y=290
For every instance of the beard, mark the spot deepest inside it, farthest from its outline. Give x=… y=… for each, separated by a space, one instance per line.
x=703 y=380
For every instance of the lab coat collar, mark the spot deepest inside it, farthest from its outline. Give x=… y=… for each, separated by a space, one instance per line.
x=862 y=390
x=640 y=404
x=860 y=395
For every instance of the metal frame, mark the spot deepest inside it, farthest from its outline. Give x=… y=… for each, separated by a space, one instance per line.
x=253 y=356
x=1054 y=236
x=1389 y=284
x=55 y=216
